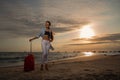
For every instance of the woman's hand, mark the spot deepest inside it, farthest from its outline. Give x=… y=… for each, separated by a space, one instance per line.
x=33 y=38
x=30 y=40
x=50 y=40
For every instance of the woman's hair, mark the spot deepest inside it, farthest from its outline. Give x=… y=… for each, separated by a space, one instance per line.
x=49 y=23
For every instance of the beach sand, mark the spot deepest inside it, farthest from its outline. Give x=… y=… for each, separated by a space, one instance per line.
x=98 y=67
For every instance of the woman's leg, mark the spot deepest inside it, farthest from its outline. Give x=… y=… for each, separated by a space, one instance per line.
x=43 y=45
x=45 y=51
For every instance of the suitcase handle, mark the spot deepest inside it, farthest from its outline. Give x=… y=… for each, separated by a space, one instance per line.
x=30 y=46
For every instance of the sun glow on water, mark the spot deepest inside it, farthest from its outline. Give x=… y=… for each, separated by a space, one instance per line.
x=88 y=53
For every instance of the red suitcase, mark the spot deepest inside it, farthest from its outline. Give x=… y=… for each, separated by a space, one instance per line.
x=29 y=63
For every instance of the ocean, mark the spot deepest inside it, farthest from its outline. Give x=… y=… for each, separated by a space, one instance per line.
x=17 y=58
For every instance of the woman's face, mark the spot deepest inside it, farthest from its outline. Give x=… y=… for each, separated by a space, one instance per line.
x=47 y=25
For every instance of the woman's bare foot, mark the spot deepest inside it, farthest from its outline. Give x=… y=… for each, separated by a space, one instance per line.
x=41 y=67
x=46 y=67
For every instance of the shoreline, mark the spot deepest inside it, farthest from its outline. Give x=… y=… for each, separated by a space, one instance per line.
x=98 y=67
x=83 y=58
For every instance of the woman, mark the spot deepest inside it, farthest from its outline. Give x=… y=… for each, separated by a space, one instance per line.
x=47 y=37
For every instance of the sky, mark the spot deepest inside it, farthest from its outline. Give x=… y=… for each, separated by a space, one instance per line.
x=21 y=20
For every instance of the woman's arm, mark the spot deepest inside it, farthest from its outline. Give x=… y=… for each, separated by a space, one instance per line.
x=51 y=36
x=37 y=36
x=33 y=38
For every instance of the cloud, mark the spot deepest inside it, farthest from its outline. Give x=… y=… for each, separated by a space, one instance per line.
x=25 y=18
x=91 y=43
x=23 y=26
x=108 y=38
x=20 y=19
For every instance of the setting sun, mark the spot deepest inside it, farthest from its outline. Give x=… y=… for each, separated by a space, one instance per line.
x=87 y=32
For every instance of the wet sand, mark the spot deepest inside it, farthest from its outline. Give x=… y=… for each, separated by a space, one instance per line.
x=98 y=67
